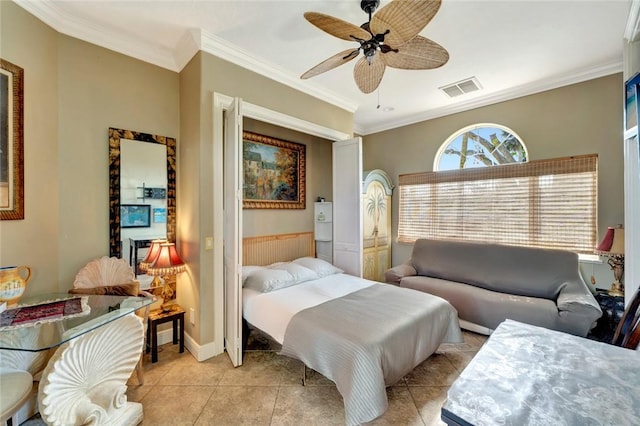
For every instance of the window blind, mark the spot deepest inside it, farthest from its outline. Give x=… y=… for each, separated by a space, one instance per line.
x=545 y=203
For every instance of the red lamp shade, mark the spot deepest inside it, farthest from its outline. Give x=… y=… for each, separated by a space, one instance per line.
x=167 y=262
x=613 y=242
x=152 y=253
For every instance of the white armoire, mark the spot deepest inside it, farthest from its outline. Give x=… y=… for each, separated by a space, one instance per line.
x=376 y=222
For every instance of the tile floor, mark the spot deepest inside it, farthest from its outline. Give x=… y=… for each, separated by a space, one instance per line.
x=267 y=389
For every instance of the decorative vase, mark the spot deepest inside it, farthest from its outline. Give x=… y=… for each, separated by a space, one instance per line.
x=13 y=282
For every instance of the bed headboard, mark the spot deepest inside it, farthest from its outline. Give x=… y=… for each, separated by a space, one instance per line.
x=267 y=249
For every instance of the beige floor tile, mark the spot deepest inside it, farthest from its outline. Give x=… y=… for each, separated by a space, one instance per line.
x=401 y=411
x=175 y=405
x=472 y=342
x=316 y=379
x=436 y=370
x=429 y=400
x=188 y=371
x=235 y=405
x=460 y=359
x=308 y=405
x=263 y=368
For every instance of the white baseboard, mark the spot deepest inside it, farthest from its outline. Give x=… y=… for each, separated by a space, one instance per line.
x=475 y=328
x=200 y=352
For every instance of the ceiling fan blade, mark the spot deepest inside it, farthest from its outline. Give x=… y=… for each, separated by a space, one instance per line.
x=368 y=76
x=337 y=27
x=329 y=64
x=419 y=53
x=404 y=19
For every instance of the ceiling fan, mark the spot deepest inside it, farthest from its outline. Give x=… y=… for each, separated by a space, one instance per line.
x=389 y=38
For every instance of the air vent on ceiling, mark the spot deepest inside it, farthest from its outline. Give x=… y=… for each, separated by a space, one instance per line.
x=461 y=87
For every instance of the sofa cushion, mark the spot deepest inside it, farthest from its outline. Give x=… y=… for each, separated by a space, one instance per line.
x=515 y=270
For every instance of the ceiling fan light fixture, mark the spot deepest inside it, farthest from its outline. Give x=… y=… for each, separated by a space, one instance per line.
x=369 y=6
x=390 y=38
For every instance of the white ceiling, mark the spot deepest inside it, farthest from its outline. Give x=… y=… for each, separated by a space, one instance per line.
x=513 y=47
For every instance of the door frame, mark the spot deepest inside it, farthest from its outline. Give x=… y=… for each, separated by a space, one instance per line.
x=222 y=102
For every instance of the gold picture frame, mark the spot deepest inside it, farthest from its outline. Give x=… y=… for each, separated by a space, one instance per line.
x=11 y=141
x=273 y=173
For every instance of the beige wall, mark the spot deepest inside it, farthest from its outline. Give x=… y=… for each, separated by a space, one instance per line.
x=196 y=170
x=74 y=91
x=318 y=177
x=578 y=119
x=25 y=42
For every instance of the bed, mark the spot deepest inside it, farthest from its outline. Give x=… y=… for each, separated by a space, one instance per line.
x=362 y=335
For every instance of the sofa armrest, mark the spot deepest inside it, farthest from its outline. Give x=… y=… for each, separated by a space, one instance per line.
x=575 y=300
x=395 y=274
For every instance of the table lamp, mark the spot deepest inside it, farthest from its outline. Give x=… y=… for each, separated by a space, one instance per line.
x=152 y=254
x=612 y=246
x=167 y=262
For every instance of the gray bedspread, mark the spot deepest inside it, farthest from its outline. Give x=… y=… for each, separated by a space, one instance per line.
x=370 y=339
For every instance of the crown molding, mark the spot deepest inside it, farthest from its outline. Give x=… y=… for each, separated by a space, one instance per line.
x=505 y=95
x=195 y=39
x=224 y=50
x=632 y=30
x=52 y=15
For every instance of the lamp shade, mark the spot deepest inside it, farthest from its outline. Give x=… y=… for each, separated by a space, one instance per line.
x=613 y=242
x=152 y=254
x=167 y=262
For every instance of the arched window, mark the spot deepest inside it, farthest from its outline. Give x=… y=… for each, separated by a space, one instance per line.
x=480 y=145
x=550 y=203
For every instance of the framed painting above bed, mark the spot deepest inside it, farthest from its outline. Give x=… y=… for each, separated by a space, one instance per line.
x=273 y=173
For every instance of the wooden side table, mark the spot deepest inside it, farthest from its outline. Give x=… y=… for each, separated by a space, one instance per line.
x=158 y=316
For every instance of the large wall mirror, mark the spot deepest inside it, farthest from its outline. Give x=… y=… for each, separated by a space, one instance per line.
x=142 y=190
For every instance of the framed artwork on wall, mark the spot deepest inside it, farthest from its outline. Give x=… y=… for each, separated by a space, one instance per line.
x=631 y=110
x=159 y=215
x=11 y=141
x=135 y=215
x=274 y=173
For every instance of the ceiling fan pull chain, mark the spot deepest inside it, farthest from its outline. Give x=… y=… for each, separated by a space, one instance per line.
x=378 y=107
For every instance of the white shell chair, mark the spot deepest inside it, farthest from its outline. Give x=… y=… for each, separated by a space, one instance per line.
x=113 y=271
x=15 y=386
x=84 y=383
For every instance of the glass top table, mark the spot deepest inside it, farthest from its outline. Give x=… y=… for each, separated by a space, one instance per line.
x=49 y=320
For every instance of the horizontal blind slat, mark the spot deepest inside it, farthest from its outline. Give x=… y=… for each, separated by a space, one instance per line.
x=546 y=203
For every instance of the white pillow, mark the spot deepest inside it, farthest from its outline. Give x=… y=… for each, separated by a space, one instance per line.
x=300 y=273
x=266 y=280
x=248 y=270
x=319 y=266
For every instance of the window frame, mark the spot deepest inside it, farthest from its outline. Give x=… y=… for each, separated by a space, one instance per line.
x=457 y=133
x=423 y=221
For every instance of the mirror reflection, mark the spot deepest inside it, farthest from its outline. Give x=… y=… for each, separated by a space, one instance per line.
x=142 y=205
x=143 y=196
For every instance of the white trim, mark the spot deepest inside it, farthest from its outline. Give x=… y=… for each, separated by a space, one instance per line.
x=259 y=113
x=218 y=223
x=632 y=29
x=453 y=136
x=225 y=50
x=107 y=37
x=176 y=58
x=475 y=327
x=222 y=102
x=199 y=352
x=505 y=95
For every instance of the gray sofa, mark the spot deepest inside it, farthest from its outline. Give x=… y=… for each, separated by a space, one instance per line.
x=488 y=283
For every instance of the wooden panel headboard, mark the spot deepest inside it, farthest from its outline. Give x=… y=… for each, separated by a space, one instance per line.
x=267 y=249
